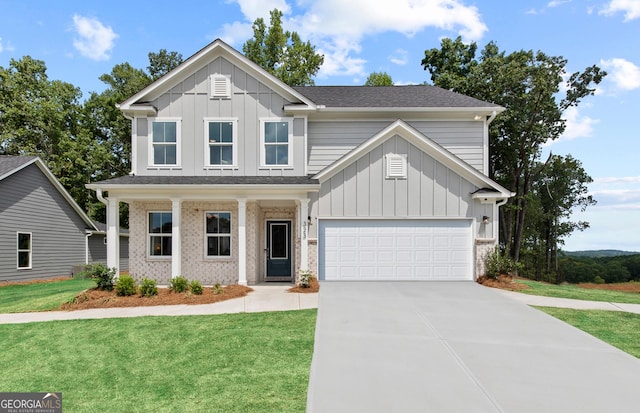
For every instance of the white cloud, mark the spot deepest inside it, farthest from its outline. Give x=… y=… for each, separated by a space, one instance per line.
x=556 y=3
x=617 y=180
x=5 y=46
x=236 y=33
x=401 y=57
x=337 y=27
x=94 y=40
x=577 y=126
x=624 y=74
x=630 y=8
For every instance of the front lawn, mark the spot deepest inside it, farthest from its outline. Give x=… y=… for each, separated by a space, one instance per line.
x=619 y=329
x=225 y=363
x=41 y=296
x=578 y=293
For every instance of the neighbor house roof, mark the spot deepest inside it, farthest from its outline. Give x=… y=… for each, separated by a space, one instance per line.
x=10 y=165
x=411 y=96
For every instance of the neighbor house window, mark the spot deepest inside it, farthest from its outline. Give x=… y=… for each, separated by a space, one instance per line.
x=160 y=224
x=276 y=142
x=218 y=234
x=165 y=143
x=24 y=250
x=220 y=141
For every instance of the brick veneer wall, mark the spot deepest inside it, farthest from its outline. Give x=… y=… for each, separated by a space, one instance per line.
x=483 y=247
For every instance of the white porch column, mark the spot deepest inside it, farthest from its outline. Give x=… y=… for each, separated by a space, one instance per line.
x=176 y=244
x=242 y=241
x=304 y=234
x=113 y=234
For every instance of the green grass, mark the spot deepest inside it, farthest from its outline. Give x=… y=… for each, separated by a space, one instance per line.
x=619 y=329
x=19 y=298
x=225 y=363
x=572 y=291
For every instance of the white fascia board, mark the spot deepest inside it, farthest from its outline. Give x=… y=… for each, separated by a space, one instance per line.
x=202 y=58
x=473 y=110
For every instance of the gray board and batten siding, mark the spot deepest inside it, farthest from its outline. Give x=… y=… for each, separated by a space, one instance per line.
x=328 y=141
x=250 y=102
x=30 y=203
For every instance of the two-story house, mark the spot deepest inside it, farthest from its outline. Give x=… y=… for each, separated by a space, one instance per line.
x=239 y=178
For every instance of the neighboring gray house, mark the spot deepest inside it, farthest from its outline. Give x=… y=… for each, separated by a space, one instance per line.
x=238 y=178
x=97 y=246
x=43 y=231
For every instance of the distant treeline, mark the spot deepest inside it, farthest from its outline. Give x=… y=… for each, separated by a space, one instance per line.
x=575 y=269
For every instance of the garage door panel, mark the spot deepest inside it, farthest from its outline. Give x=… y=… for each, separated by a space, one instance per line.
x=395 y=249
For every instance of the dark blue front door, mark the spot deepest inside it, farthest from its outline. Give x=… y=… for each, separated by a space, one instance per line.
x=278 y=249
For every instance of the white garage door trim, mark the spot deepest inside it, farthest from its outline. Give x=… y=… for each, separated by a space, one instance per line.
x=392 y=249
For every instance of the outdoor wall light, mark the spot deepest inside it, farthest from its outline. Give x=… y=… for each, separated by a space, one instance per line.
x=485 y=219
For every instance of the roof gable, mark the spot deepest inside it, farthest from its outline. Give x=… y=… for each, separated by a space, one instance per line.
x=10 y=165
x=215 y=49
x=417 y=139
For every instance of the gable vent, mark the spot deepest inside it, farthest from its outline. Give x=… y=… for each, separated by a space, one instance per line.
x=396 y=166
x=220 y=86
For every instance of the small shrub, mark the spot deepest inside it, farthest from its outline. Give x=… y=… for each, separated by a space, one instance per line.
x=125 y=286
x=305 y=278
x=217 y=289
x=598 y=279
x=101 y=274
x=148 y=288
x=179 y=284
x=498 y=263
x=195 y=287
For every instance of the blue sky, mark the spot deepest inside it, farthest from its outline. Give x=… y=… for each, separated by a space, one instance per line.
x=80 y=40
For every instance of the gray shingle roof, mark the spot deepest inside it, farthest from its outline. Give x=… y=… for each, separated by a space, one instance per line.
x=411 y=96
x=210 y=180
x=9 y=163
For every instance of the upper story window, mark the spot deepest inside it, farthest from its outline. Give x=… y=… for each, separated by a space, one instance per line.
x=277 y=146
x=220 y=138
x=160 y=229
x=24 y=250
x=165 y=142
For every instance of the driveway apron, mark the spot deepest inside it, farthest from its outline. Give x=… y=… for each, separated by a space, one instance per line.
x=457 y=347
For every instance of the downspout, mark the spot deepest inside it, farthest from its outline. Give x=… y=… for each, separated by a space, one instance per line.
x=492 y=117
x=86 y=248
x=100 y=197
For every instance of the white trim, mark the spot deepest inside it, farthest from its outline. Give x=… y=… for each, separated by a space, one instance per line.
x=163 y=235
x=176 y=240
x=150 y=153
x=234 y=143
x=263 y=162
x=207 y=235
x=18 y=250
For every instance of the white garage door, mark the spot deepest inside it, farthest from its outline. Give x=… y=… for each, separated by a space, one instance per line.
x=395 y=250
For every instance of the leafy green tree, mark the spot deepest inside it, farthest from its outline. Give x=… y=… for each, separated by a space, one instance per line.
x=282 y=53
x=379 y=79
x=530 y=85
x=162 y=63
x=44 y=117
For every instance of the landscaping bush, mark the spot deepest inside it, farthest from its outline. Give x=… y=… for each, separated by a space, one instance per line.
x=196 y=287
x=101 y=274
x=305 y=278
x=217 y=289
x=498 y=263
x=148 y=288
x=179 y=284
x=598 y=279
x=125 y=285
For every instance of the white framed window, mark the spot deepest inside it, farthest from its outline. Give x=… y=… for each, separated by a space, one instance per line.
x=164 y=143
x=159 y=233
x=220 y=142
x=276 y=143
x=396 y=166
x=217 y=233
x=24 y=250
x=220 y=86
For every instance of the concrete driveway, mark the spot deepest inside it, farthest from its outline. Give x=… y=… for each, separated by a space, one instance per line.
x=457 y=347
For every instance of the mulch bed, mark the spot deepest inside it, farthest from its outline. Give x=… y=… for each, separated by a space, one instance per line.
x=314 y=287
x=94 y=298
x=504 y=282
x=629 y=287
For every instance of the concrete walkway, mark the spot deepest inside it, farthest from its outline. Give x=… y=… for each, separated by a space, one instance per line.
x=274 y=298
x=263 y=298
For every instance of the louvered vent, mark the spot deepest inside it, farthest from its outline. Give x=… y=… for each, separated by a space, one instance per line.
x=220 y=86
x=396 y=166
